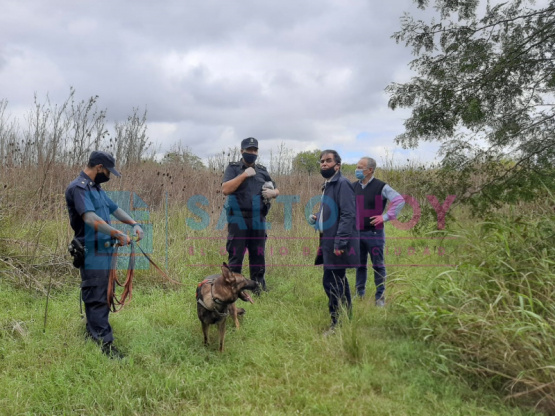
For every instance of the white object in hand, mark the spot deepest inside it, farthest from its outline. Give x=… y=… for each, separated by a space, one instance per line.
x=267 y=195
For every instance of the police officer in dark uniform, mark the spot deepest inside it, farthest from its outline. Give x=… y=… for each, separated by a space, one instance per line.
x=249 y=190
x=89 y=211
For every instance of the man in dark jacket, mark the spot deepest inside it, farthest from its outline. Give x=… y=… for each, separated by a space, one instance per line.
x=336 y=222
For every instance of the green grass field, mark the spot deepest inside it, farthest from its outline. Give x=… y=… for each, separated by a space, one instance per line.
x=277 y=363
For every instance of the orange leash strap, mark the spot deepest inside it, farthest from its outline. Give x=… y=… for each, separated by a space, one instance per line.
x=158 y=268
x=113 y=301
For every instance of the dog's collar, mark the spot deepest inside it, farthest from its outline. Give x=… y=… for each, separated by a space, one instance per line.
x=215 y=300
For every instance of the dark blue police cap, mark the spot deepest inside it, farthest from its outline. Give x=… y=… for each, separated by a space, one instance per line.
x=249 y=142
x=105 y=159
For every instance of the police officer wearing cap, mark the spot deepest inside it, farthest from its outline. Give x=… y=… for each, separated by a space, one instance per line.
x=89 y=211
x=249 y=190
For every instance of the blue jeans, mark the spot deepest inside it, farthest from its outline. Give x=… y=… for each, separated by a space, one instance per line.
x=372 y=242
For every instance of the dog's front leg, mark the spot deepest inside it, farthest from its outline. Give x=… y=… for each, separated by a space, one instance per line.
x=221 y=327
x=205 y=332
x=233 y=312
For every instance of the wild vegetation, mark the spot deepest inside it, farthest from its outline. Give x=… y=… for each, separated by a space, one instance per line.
x=470 y=323
x=468 y=306
x=277 y=363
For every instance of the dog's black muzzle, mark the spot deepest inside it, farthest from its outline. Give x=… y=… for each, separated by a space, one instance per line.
x=243 y=295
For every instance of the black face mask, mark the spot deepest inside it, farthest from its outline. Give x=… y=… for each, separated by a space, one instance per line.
x=101 y=178
x=328 y=173
x=249 y=158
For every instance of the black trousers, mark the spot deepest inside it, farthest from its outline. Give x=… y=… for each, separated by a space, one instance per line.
x=244 y=236
x=94 y=292
x=336 y=287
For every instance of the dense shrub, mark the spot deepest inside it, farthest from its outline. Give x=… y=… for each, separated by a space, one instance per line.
x=494 y=314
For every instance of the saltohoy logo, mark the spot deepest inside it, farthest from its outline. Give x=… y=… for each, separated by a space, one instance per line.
x=138 y=210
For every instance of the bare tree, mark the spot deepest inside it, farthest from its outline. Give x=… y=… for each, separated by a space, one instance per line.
x=8 y=135
x=66 y=133
x=87 y=128
x=131 y=140
x=219 y=161
x=281 y=161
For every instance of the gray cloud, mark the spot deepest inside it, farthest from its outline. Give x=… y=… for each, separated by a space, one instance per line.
x=212 y=72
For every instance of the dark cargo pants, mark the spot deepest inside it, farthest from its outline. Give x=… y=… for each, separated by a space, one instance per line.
x=94 y=293
x=245 y=236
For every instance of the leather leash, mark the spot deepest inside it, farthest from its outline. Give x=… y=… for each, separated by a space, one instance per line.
x=113 y=301
x=158 y=268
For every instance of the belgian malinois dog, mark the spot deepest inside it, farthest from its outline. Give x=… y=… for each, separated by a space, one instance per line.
x=216 y=296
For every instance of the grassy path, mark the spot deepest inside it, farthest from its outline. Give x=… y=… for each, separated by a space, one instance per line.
x=278 y=363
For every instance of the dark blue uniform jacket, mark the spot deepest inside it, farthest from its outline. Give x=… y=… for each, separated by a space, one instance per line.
x=248 y=196
x=84 y=195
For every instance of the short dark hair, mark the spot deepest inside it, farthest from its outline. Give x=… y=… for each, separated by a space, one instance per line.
x=336 y=156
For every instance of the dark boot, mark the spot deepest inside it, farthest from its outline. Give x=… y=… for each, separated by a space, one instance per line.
x=110 y=350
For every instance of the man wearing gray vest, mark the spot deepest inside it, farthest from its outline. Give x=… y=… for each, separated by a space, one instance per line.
x=371 y=199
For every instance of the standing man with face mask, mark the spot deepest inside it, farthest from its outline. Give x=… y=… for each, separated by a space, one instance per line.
x=89 y=211
x=247 y=205
x=371 y=197
x=336 y=222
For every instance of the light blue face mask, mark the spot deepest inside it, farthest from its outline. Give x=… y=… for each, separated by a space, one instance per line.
x=358 y=174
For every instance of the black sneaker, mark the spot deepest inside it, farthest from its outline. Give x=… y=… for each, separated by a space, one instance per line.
x=110 y=350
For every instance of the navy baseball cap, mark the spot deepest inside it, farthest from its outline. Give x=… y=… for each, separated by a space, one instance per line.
x=105 y=159
x=249 y=142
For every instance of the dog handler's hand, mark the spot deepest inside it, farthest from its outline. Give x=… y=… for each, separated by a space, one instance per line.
x=338 y=252
x=250 y=172
x=138 y=231
x=123 y=239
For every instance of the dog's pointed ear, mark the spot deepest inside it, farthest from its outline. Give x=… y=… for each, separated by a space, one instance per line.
x=226 y=272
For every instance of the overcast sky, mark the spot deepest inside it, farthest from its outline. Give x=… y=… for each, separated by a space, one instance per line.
x=307 y=73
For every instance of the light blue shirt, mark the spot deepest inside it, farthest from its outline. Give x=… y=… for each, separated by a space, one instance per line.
x=396 y=201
